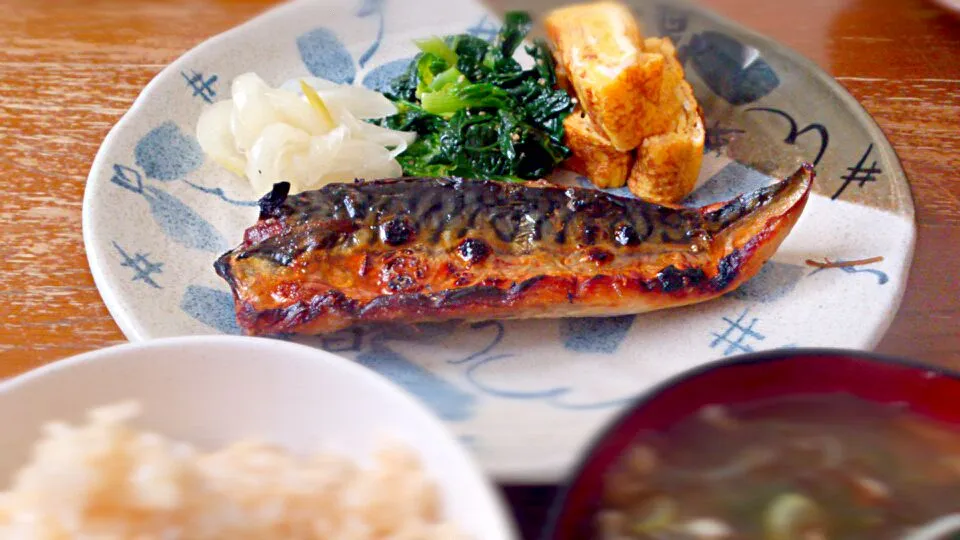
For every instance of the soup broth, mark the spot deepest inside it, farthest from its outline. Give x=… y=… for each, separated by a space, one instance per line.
x=793 y=469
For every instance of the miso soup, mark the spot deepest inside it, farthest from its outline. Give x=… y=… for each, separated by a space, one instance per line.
x=815 y=468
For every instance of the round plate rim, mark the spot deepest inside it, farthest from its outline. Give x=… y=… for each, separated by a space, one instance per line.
x=136 y=332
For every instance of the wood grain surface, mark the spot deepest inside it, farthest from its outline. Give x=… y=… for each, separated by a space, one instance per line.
x=69 y=70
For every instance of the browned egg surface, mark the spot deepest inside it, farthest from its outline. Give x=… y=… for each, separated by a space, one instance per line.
x=831 y=467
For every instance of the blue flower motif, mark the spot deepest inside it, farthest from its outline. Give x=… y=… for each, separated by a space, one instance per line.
x=326 y=57
x=367 y=9
x=379 y=78
x=448 y=401
x=212 y=307
x=176 y=219
x=182 y=223
x=734 y=71
x=370 y=7
x=166 y=154
x=556 y=396
x=375 y=348
x=595 y=334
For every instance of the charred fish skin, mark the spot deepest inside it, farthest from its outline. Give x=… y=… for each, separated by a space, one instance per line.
x=428 y=249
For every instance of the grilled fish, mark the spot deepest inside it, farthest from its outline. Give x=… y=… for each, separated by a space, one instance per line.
x=428 y=249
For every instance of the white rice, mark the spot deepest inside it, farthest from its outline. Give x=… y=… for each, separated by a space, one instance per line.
x=107 y=481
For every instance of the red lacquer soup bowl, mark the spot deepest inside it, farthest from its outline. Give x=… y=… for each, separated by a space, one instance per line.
x=926 y=391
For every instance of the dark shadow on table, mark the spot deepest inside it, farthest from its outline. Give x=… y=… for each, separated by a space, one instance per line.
x=530 y=505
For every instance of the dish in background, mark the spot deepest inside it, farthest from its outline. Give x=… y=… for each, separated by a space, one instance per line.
x=917 y=397
x=952 y=5
x=216 y=390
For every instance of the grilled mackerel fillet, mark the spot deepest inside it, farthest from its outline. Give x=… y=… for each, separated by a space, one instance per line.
x=427 y=249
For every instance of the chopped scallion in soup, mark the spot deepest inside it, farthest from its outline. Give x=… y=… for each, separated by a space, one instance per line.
x=813 y=468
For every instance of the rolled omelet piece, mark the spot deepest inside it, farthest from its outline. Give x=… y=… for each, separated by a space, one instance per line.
x=594 y=156
x=599 y=48
x=667 y=165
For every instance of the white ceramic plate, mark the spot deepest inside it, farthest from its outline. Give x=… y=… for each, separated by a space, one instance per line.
x=216 y=390
x=525 y=395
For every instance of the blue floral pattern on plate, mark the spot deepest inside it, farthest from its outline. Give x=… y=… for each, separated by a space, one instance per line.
x=157 y=214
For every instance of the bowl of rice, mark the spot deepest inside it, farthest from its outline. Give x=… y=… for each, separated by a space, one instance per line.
x=222 y=437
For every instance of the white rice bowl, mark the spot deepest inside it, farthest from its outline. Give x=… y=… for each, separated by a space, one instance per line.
x=284 y=442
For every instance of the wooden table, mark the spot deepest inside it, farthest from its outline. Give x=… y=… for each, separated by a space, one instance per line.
x=69 y=70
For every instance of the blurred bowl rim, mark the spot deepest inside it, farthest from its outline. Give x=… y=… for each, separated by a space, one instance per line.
x=85 y=357
x=953 y=6
x=556 y=508
x=507 y=526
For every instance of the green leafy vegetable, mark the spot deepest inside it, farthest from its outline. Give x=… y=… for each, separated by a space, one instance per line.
x=437 y=47
x=792 y=516
x=477 y=112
